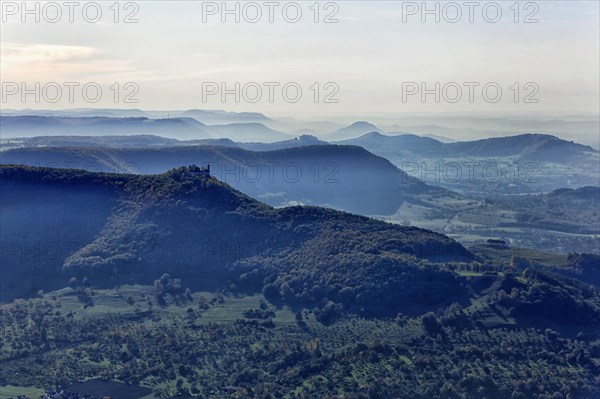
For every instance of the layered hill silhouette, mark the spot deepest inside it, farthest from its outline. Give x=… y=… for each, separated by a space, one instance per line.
x=154 y=141
x=342 y=177
x=247 y=132
x=29 y=126
x=206 y=116
x=182 y=127
x=80 y=112
x=526 y=163
x=121 y=141
x=533 y=147
x=133 y=228
x=223 y=117
x=353 y=130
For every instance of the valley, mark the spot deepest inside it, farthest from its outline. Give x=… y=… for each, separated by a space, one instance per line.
x=227 y=344
x=299 y=200
x=182 y=286
x=349 y=178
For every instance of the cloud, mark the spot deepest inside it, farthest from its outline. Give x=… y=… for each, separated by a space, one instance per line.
x=51 y=62
x=14 y=54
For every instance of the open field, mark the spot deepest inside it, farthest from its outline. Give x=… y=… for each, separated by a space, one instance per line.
x=10 y=391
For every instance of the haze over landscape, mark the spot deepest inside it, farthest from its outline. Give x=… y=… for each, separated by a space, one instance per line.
x=354 y=200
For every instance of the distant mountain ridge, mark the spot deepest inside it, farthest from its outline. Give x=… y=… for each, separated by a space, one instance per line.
x=247 y=132
x=152 y=141
x=351 y=131
x=79 y=112
x=525 y=163
x=222 y=117
x=206 y=116
x=528 y=146
x=178 y=127
x=29 y=126
x=343 y=177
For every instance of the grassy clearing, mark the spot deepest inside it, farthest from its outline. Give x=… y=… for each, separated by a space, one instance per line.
x=132 y=299
x=406 y=360
x=11 y=391
x=230 y=310
x=468 y=274
x=534 y=256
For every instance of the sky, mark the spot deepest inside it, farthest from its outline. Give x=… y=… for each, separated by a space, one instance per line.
x=369 y=58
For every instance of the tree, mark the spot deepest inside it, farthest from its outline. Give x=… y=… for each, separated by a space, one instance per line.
x=431 y=324
x=287 y=293
x=271 y=291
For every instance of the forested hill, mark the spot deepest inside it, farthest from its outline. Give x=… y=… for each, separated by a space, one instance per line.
x=348 y=178
x=115 y=228
x=538 y=147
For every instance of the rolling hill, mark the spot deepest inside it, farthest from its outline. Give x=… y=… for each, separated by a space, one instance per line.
x=208 y=117
x=151 y=141
x=351 y=179
x=29 y=126
x=247 y=132
x=343 y=177
x=351 y=131
x=525 y=163
x=79 y=112
x=216 y=117
x=538 y=147
x=180 y=284
x=183 y=128
x=133 y=228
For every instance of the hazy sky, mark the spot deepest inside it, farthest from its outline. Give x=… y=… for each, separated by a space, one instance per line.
x=369 y=57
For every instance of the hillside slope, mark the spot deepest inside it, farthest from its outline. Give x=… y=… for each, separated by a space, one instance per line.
x=525 y=163
x=538 y=147
x=341 y=177
x=132 y=228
